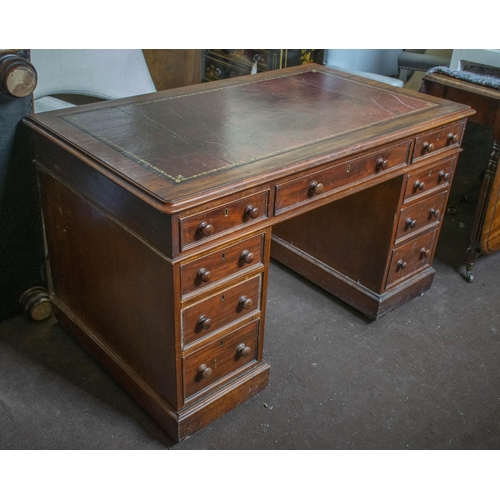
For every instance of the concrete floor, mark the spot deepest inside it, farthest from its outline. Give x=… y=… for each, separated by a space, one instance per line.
x=426 y=376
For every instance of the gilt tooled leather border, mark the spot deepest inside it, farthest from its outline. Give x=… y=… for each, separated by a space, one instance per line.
x=180 y=179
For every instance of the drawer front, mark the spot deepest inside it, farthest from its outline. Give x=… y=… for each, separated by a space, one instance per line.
x=429 y=178
x=421 y=214
x=201 y=227
x=207 y=270
x=316 y=185
x=218 y=310
x=220 y=358
x=410 y=258
x=437 y=140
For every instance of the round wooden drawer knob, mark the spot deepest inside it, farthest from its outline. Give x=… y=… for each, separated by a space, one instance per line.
x=204 y=322
x=425 y=252
x=252 y=212
x=247 y=256
x=243 y=350
x=381 y=163
x=18 y=76
x=444 y=175
x=411 y=222
x=206 y=229
x=204 y=370
x=428 y=147
x=434 y=212
x=452 y=138
x=245 y=302
x=401 y=264
x=316 y=187
x=419 y=185
x=204 y=274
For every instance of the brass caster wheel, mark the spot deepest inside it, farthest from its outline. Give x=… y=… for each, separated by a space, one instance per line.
x=36 y=303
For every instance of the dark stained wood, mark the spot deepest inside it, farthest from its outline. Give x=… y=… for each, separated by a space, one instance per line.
x=153 y=205
x=485 y=235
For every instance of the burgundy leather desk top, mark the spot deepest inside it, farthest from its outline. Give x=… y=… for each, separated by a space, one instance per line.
x=179 y=143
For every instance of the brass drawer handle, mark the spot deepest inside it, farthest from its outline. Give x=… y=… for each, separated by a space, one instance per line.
x=204 y=322
x=452 y=138
x=316 y=187
x=411 y=222
x=245 y=302
x=243 y=350
x=205 y=229
x=428 y=147
x=382 y=164
x=204 y=370
x=247 y=256
x=204 y=274
x=251 y=211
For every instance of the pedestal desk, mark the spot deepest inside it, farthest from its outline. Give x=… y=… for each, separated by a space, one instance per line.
x=158 y=212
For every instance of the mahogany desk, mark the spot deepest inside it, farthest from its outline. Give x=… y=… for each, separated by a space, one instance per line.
x=485 y=235
x=158 y=212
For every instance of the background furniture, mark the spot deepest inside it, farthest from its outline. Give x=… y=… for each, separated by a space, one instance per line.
x=21 y=247
x=158 y=216
x=485 y=99
x=218 y=64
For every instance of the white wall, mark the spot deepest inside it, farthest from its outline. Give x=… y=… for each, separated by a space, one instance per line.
x=380 y=61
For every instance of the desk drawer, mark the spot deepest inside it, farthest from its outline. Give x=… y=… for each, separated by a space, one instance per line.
x=438 y=139
x=220 y=358
x=421 y=214
x=207 y=270
x=225 y=218
x=436 y=176
x=319 y=184
x=410 y=258
x=218 y=310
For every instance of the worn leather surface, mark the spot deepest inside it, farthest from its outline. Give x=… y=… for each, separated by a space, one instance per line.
x=183 y=138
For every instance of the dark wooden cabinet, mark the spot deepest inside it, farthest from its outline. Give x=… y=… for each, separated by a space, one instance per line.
x=161 y=216
x=218 y=64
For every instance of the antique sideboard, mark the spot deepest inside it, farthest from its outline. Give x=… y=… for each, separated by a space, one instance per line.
x=161 y=213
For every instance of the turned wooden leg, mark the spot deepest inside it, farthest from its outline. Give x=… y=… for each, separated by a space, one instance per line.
x=474 y=249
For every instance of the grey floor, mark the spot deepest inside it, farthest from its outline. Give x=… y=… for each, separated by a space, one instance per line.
x=426 y=376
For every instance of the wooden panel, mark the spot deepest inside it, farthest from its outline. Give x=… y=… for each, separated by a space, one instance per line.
x=114 y=282
x=219 y=310
x=437 y=140
x=411 y=258
x=423 y=181
x=227 y=217
x=421 y=215
x=222 y=264
x=304 y=189
x=353 y=235
x=221 y=357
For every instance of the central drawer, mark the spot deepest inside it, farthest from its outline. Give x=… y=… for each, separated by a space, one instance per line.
x=221 y=309
x=320 y=183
